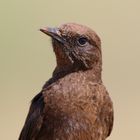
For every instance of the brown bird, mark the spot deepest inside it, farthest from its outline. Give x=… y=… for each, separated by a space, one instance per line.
x=73 y=104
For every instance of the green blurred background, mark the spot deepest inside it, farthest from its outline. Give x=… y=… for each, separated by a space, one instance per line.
x=27 y=59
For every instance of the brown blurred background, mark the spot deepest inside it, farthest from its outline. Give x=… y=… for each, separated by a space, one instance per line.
x=27 y=59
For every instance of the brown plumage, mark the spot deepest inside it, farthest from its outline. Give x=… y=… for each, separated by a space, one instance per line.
x=73 y=104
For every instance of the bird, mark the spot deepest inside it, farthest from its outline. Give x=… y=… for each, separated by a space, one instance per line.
x=73 y=104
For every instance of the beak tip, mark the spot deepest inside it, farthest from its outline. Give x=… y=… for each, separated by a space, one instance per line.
x=52 y=32
x=42 y=29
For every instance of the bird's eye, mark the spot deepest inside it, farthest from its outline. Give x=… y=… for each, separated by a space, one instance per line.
x=82 y=41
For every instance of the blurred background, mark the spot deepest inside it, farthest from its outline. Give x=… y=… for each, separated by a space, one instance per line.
x=27 y=59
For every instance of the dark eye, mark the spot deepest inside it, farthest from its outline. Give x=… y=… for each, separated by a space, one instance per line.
x=82 y=41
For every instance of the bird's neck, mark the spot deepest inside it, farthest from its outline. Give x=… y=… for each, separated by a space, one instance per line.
x=93 y=73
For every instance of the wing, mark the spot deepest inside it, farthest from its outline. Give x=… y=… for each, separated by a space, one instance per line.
x=108 y=114
x=34 y=119
x=110 y=120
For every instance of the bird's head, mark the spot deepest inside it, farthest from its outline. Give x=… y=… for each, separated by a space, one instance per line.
x=75 y=46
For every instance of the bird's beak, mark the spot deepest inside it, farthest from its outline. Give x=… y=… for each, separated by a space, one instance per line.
x=54 y=33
